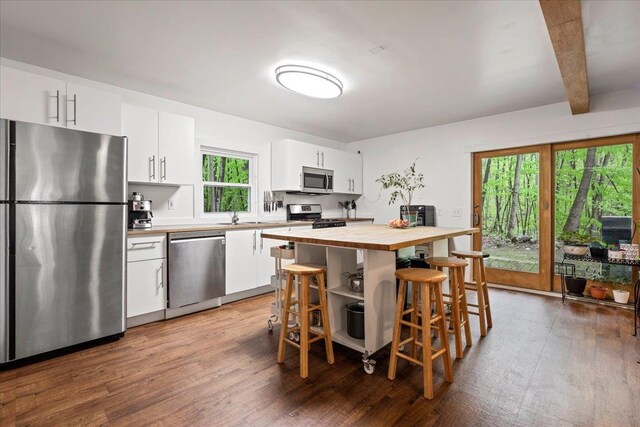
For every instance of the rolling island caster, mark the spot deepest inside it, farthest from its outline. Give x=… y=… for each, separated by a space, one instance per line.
x=368 y=364
x=294 y=336
x=272 y=318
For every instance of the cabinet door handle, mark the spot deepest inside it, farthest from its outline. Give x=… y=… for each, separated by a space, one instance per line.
x=254 y=242
x=350 y=184
x=58 y=106
x=152 y=166
x=261 y=243
x=75 y=110
x=318 y=158
x=322 y=154
x=161 y=271
x=163 y=168
x=153 y=244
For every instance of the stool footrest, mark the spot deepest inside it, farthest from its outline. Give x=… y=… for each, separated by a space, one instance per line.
x=318 y=338
x=435 y=319
x=410 y=310
x=409 y=358
x=293 y=343
x=438 y=353
x=411 y=325
x=408 y=340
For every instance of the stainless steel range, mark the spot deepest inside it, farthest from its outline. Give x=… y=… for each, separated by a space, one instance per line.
x=312 y=213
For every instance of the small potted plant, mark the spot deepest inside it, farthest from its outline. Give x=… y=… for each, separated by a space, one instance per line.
x=598 y=291
x=615 y=253
x=599 y=250
x=575 y=242
x=403 y=185
x=575 y=285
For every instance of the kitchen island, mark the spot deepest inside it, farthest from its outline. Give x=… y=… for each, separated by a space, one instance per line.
x=337 y=249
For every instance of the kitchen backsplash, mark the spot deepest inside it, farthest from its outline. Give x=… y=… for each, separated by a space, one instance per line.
x=184 y=210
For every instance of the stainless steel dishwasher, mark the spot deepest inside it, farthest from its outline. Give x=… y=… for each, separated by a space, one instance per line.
x=196 y=267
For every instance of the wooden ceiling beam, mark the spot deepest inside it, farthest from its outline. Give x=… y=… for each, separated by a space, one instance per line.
x=564 y=23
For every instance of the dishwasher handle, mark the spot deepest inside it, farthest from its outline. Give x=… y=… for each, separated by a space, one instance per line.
x=199 y=239
x=196 y=235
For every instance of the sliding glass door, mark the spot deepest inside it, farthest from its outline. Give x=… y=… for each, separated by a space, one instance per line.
x=528 y=201
x=509 y=207
x=594 y=202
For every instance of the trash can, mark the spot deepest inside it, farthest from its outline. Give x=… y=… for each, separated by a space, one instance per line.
x=355 y=319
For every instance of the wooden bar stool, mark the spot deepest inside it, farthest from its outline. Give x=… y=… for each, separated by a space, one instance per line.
x=425 y=282
x=459 y=317
x=480 y=286
x=304 y=273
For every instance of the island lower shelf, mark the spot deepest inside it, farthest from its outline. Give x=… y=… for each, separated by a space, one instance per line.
x=378 y=297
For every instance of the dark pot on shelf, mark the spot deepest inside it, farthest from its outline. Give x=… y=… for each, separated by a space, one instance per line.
x=575 y=285
x=599 y=252
x=355 y=320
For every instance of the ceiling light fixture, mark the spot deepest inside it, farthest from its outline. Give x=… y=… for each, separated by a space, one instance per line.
x=309 y=81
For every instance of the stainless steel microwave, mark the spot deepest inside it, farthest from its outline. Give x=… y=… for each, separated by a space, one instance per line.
x=317 y=180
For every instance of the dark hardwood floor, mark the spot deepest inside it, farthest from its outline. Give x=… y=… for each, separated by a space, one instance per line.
x=542 y=364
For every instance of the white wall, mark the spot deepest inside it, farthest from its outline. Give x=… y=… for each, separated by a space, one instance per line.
x=213 y=129
x=444 y=152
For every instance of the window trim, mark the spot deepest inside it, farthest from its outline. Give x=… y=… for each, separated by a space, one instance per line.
x=252 y=185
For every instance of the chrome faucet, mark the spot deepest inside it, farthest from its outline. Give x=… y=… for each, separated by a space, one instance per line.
x=234 y=218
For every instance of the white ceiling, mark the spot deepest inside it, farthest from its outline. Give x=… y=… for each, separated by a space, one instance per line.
x=442 y=62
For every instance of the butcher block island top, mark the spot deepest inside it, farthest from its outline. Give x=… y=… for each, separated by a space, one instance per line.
x=375 y=237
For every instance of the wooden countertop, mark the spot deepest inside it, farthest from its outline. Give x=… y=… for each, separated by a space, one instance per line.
x=163 y=229
x=376 y=237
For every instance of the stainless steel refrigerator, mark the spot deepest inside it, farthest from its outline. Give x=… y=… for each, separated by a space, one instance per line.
x=63 y=197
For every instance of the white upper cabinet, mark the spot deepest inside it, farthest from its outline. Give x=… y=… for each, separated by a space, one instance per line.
x=288 y=157
x=33 y=98
x=93 y=110
x=161 y=145
x=140 y=126
x=177 y=148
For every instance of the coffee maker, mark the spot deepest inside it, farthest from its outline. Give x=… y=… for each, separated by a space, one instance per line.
x=139 y=212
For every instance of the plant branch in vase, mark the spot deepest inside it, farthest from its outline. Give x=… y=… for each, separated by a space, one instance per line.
x=403 y=185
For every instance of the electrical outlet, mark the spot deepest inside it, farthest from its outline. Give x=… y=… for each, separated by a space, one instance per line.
x=172 y=204
x=439 y=212
x=456 y=212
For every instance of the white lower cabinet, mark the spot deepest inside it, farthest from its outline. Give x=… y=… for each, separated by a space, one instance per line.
x=146 y=286
x=249 y=263
x=146 y=274
x=241 y=266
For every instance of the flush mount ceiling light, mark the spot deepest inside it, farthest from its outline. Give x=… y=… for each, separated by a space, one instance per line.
x=309 y=81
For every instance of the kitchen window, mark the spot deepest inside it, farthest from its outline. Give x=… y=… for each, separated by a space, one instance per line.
x=228 y=181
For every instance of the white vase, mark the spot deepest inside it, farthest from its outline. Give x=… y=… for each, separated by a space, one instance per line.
x=621 y=296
